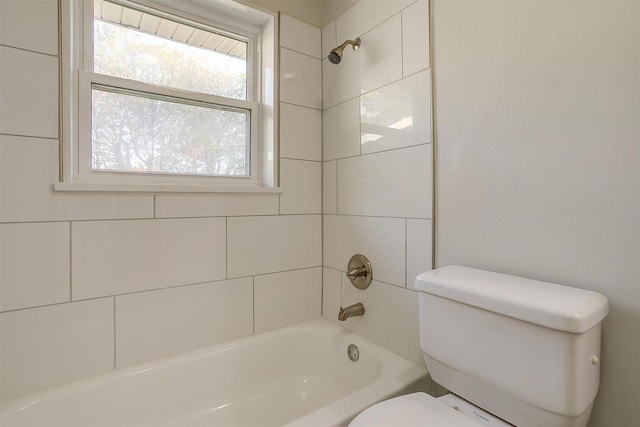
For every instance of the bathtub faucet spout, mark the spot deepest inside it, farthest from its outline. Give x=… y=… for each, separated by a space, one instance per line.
x=351 y=311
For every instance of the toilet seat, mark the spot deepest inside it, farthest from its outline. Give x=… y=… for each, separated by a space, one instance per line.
x=411 y=410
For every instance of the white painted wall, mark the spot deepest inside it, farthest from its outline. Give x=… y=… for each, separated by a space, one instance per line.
x=93 y=282
x=377 y=175
x=538 y=158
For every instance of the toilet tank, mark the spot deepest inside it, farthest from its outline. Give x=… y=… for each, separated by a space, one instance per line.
x=524 y=350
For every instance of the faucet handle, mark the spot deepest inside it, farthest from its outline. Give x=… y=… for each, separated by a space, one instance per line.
x=359 y=271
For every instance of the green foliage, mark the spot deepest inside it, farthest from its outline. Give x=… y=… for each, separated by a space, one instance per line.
x=142 y=134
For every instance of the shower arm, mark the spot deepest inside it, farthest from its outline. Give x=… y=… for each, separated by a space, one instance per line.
x=355 y=45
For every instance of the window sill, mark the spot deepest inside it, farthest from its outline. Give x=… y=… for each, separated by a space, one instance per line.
x=162 y=188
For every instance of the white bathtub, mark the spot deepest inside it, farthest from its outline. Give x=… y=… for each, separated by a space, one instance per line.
x=295 y=376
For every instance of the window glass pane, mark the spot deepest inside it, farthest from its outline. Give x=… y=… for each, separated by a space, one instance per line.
x=140 y=46
x=134 y=132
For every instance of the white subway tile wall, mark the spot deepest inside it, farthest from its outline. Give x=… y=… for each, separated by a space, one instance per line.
x=35 y=264
x=329 y=40
x=269 y=244
x=415 y=38
x=301 y=182
x=367 y=15
x=203 y=205
x=329 y=188
x=300 y=132
x=377 y=154
x=29 y=25
x=29 y=87
x=285 y=298
x=300 y=79
x=95 y=281
x=48 y=346
x=419 y=248
x=397 y=115
x=169 y=321
x=28 y=169
x=391 y=317
x=381 y=240
x=118 y=257
x=331 y=294
x=393 y=183
x=378 y=62
x=300 y=36
x=341 y=130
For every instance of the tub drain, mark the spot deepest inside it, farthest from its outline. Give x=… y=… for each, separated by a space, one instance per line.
x=353 y=352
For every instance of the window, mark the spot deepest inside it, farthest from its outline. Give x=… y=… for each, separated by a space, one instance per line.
x=156 y=98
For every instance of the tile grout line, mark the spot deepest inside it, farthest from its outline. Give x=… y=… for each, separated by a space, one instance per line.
x=50 y=55
x=401 y=43
x=360 y=124
x=378 y=216
x=185 y=285
x=253 y=290
x=226 y=247
x=301 y=160
x=70 y=261
x=301 y=106
x=114 y=333
x=375 y=280
x=261 y=215
x=322 y=192
x=16 y=135
x=372 y=153
x=301 y=53
x=325 y=108
x=337 y=189
x=341 y=288
x=406 y=250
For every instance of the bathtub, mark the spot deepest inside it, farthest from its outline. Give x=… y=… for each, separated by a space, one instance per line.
x=296 y=376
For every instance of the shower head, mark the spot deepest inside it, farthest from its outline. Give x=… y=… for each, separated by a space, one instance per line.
x=335 y=56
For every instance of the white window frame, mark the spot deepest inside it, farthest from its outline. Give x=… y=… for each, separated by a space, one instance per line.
x=78 y=79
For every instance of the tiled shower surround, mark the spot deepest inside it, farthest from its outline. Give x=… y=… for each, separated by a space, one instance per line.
x=377 y=167
x=91 y=282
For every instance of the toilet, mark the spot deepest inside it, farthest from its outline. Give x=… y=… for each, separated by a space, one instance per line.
x=511 y=351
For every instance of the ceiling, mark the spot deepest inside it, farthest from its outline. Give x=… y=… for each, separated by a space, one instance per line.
x=315 y=12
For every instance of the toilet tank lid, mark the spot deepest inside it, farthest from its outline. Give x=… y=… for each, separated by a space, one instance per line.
x=547 y=304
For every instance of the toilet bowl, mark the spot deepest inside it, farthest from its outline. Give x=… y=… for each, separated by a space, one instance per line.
x=526 y=351
x=422 y=410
